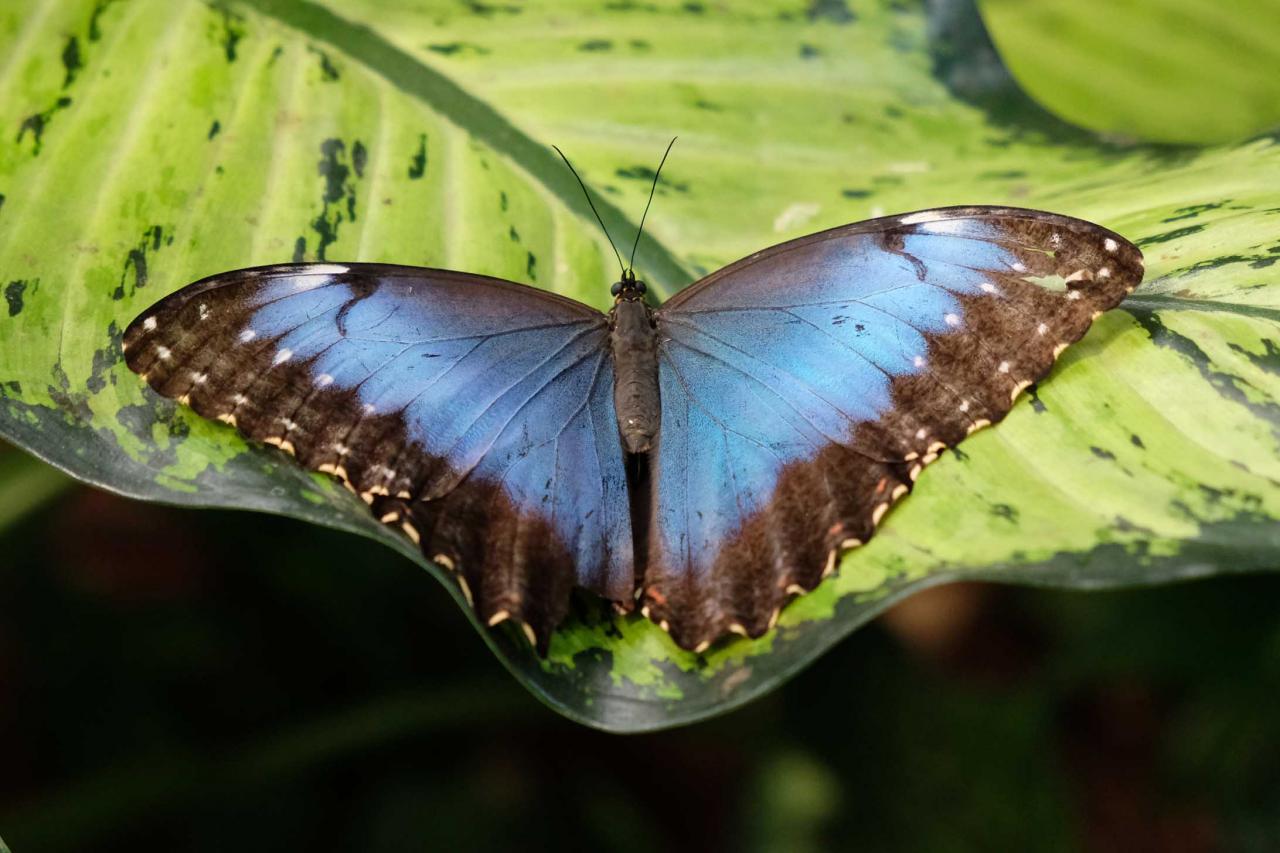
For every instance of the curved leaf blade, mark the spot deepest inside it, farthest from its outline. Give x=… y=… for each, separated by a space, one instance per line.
x=1099 y=481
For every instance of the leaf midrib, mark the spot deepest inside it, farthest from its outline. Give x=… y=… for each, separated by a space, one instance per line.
x=1157 y=301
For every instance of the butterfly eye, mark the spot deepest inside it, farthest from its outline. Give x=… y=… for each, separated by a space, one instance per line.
x=616 y=289
x=639 y=286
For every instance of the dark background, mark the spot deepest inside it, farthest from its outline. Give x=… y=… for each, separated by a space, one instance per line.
x=183 y=680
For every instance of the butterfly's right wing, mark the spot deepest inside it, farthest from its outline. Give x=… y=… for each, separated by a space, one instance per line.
x=803 y=389
x=473 y=413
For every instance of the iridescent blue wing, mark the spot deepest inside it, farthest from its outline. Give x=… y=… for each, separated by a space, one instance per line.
x=803 y=389
x=472 y=413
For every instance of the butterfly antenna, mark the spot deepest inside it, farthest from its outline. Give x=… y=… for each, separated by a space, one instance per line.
x=593 y=210
x=640 y=230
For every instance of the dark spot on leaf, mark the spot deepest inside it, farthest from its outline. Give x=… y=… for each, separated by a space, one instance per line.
x=1268 y=360
x=1193 y=210
x=514 y=235
x=1005 y=511
x=136 y=260
x=1229 y=386
x=596 y=45
x=710 y=106
x=76 y=405
x=809 y=51
x=531 y=266
x=1099 y=452
x=105 y=359
x=37 y=123
x=1255 y=261
x=418 y=164
x=1175 y=234
x=502 y=200
x=1004 y=175
x=834 y=11
x=456 y=47
x=215 y=128
x=856 y=193
x=644 y=173
x=1037 y=405
x=95 y=18
x=13 y=295
x=488 y=10
x=694 y=8
x=1136 y=441
x=71 y=61
x=13 y=386
x=639 y=44
x=359 y=158
x=337 y=188
x=299 y=250
x=328 y=71
x=1 y=201
x=275 y=54
x=232 y=31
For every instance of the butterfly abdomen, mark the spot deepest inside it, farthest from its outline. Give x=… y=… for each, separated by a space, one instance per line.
x=635 y=366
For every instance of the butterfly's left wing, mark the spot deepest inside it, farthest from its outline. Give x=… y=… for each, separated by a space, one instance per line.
x=803 y=389
x=472 y=413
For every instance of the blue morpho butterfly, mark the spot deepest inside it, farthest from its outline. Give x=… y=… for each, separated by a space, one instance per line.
x=705 y=461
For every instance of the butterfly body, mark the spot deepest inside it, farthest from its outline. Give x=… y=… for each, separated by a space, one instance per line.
x=633 y=344
x=777 y=408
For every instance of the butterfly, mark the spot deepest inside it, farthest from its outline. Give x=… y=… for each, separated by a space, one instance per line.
x=704 y=461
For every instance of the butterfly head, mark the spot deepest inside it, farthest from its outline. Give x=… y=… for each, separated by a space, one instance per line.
x=628 y=288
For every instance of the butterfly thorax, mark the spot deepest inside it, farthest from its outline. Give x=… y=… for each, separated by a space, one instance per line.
x=634 y=343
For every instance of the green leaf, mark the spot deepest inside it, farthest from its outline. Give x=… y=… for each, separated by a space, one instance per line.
x=186 y=139
x=1174 y=71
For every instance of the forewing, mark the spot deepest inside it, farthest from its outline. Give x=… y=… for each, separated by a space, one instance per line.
x=472 y=413
x=803 y=389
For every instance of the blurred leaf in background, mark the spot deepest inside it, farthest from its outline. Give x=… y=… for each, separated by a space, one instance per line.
x=158 y=142
x=1179 y=71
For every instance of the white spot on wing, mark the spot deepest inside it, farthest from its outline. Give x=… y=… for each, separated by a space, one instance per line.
x=324 y=379
x=247 y=335
x=203 y=311
x=988 y=287
x=918 y=361
x=149 y=324
x=1042 y=328
x=283 y=356
x=162 y=352
x=1110 y=245
x=1074 y=294
x=952 y=320
x=1018 y=266
x=1004 y=367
